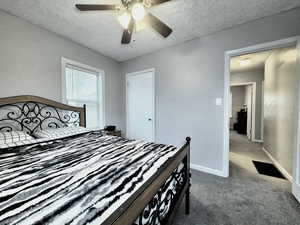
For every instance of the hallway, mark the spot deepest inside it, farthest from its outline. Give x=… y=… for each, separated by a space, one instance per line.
x=245 y=198
x=242 y=152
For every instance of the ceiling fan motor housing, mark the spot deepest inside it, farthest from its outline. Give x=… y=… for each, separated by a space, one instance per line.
x=128 y=3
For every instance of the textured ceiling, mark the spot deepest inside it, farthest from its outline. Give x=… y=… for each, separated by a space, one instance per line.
x=257 y=61
x=101 y=32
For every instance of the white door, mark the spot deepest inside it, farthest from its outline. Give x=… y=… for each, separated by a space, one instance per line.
x=296 y=163
x=140 y=105
x=249 y=102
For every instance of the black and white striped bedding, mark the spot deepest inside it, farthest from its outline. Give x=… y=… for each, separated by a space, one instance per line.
x=76 y=180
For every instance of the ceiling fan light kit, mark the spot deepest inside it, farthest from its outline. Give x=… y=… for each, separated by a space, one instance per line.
x=124 y=19
x=138 y=11
x=134 y=16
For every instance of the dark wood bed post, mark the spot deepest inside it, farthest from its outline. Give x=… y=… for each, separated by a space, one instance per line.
x=188 y=174
x=84 y=117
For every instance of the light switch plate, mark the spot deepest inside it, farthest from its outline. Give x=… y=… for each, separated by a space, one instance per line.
x=218 y=101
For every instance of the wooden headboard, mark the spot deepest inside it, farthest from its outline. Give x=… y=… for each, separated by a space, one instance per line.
x=31 y=113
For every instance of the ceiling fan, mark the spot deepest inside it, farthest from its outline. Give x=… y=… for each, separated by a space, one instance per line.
x=134 y=12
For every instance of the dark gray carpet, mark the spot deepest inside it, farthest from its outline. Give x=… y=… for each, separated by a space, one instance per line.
x=245 y=198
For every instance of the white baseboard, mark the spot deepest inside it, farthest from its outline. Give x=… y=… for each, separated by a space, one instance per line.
x=257 y=140
x=279 y=167
x=296 y=191
x=207 y=170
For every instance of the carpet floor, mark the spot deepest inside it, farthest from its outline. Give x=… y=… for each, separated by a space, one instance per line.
x=245 y=198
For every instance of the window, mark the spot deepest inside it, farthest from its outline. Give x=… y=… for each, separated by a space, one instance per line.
x=84 y=85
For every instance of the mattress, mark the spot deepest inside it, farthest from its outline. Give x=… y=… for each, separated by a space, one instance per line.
x=81 y=179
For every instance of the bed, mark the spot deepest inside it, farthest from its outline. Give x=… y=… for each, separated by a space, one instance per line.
x=85 y=177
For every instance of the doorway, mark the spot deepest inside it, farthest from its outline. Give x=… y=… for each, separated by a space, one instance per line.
x=243 y=108
x=296 y=150
x=140 y=105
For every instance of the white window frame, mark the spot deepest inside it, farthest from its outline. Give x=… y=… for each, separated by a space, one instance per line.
x=85 y=68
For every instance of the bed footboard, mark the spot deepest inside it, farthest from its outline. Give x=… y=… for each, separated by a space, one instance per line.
x=149 y=192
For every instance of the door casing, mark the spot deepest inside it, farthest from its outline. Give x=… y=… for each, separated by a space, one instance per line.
x=292 y=41
x=296 y=162
x=253 y=108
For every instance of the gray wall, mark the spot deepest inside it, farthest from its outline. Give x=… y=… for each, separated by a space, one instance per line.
x=190 y=76
x=238 y=101
x=280 y=107
x=256 y=76
x=30 y=63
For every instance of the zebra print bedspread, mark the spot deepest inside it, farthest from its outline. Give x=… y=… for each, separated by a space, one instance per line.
x=75 y=180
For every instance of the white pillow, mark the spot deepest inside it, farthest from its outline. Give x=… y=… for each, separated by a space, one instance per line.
x=14 y=136
x=60 y=132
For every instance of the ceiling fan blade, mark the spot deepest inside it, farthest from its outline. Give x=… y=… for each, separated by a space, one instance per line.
x=158 y=25
x=84 y=7
x=127 y=34
x=157 y=2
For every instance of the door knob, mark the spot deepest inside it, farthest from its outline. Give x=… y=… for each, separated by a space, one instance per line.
x=149 y=119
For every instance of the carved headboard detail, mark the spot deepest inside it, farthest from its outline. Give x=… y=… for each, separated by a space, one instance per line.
x=31 y=113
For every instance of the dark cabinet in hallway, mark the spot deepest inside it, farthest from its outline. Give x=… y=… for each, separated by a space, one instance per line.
x=241 y=125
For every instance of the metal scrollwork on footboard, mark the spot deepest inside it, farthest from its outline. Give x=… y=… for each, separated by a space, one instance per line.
x=32 y=116
x=157 y=210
